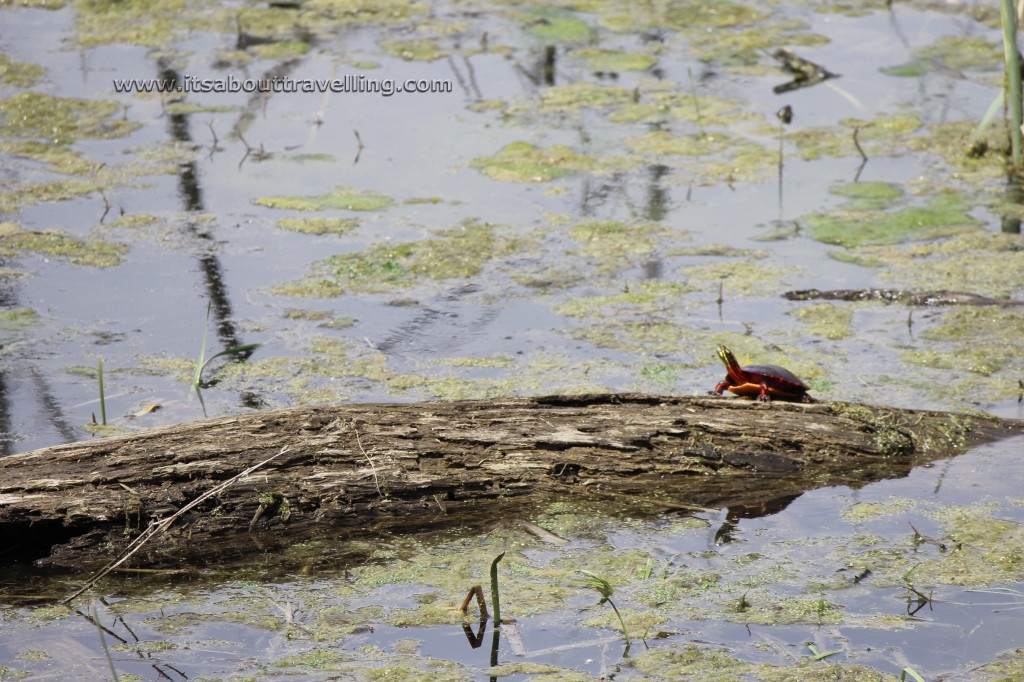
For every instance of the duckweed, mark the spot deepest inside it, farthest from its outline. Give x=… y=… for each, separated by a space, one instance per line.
x=825 y=319
x=19 y=74
x=60 y=120
x=942 y=215
x=615 y=60
x=14 y=319
x=341 y=197
x=523 y=162
x=92 y=252
x=419 y=50
x=318 y=225
x=549 y=24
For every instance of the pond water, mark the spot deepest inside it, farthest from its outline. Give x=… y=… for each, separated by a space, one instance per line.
x=595 y=204
x=918 y=573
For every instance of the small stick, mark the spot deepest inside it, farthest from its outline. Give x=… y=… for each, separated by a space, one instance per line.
x=162 y=525
x=373 y=469
x=856 y=143
x=477 y=591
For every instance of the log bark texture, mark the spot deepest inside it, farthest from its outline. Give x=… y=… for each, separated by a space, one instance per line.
x=410 y=465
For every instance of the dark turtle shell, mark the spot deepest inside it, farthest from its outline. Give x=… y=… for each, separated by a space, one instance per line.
x=775 y=377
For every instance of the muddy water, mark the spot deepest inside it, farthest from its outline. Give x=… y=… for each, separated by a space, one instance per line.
x=566 y=218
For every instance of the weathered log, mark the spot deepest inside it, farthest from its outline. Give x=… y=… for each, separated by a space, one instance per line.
x=410 y=465
x=911 y=298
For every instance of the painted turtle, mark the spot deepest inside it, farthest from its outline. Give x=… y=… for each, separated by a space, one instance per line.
x=767 y=382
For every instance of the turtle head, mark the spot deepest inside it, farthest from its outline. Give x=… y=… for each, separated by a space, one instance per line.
x=730 y=362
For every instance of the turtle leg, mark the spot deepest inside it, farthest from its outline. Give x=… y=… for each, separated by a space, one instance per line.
x=722 y=385
x=765 y=398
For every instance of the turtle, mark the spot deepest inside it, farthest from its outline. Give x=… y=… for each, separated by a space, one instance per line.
x=766 y=382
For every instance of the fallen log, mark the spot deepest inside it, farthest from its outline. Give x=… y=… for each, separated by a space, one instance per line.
x=352 y=467
x=911 y=298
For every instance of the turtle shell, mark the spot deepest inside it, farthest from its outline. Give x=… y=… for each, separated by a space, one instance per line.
x=775 y=377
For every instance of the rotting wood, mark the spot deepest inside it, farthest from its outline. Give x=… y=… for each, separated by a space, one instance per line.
x=910 y=298
x=413 y=465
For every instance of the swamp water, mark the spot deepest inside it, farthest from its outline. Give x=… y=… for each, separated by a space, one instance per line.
x=566 y=218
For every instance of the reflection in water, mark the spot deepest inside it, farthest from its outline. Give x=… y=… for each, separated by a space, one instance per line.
x=656 y=205
x=190 y=191
x=52 y=408
x=433 y=331
x=733 y=515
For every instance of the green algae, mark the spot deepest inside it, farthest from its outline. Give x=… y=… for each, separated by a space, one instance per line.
x=742 y=49
x=950 y=53
x=456 y=252
x=318 y=225
x=552 y=25
x=92 y=252
x=662 y=376
x=19 y=74
x=523 y=162
x=980 y=344
x=869 y=511
x=661 y=142
x=311 y=287
x=538 y=672
x=692 y=661
x=720 y=250
x=656 y=102
x=58 y=157
x=1010 y=666
x=688 y=17
x=689 y=662
x=615 y=60
x=738 y=278
x=971 y=325
x=983 y=550
x=767 y=608
x=826 y=319
x=303 y=158
x=134 y=22
x=976 y=261
x=17 y=319
x=614 y=242
x=642 y=297
x=282 y=49
x=418 y=49
x=859 y=224
x=185 y=108
x=135 y=221
x=60 y=120
x=341 y=197
x=582 y=95
x=878 y=137
x=29 y=193
x=868 y=195
x=497 y=361
x=326 y=318
x=461 y=251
